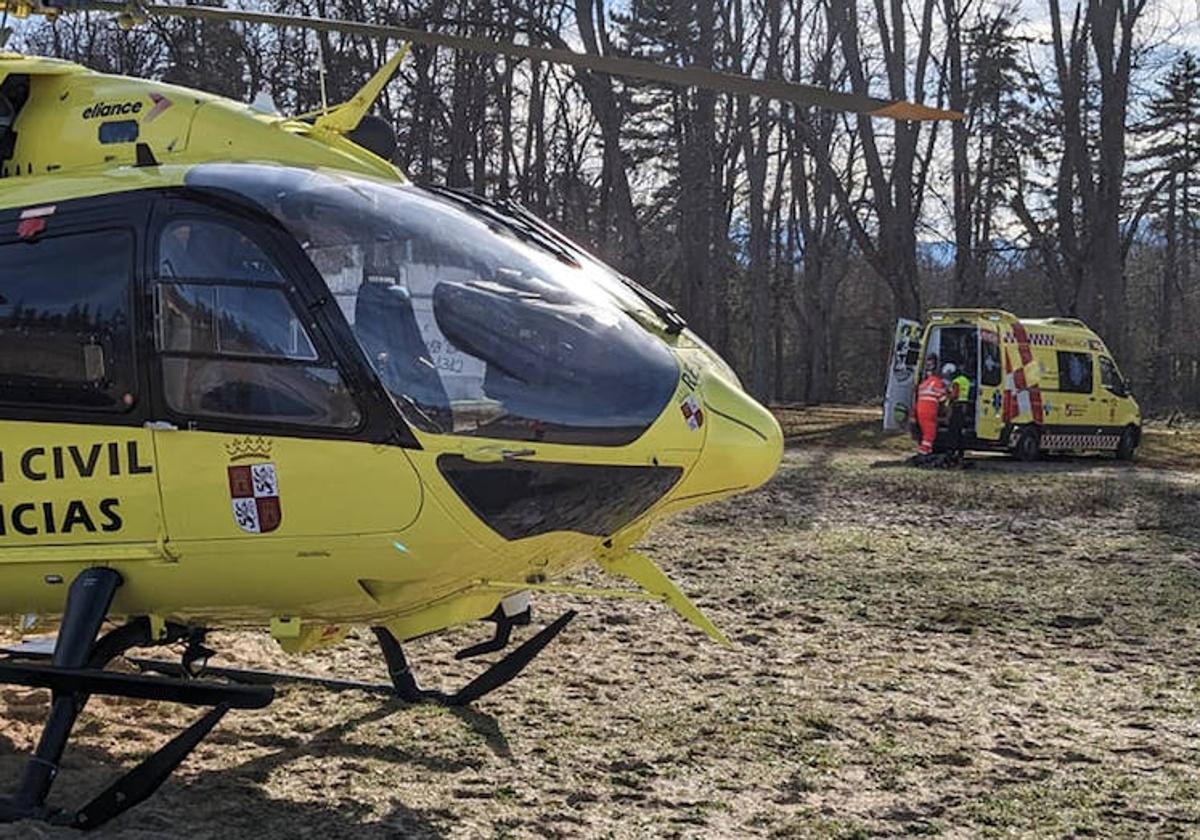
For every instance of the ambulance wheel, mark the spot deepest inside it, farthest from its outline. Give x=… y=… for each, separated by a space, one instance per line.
x=1128 y=445
x=1028 y=446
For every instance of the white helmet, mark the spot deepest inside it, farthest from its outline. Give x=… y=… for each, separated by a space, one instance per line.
x=948 y=369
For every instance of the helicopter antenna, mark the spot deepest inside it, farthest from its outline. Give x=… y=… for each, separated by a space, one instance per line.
x=321 y=74
x=5 y=32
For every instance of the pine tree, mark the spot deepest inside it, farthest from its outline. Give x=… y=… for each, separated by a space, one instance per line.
x=681 y=32
x=1171 y=156
x=989 y=82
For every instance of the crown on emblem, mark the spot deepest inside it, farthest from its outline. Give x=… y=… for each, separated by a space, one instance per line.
x=240 y=449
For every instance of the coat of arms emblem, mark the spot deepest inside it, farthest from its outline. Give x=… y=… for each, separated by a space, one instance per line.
x=254 y=489
x=692 y=413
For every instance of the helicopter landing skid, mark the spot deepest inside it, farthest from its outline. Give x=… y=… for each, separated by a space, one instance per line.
x=76 y=671
x=504 y=627
x=407 y=689
x=403 y=686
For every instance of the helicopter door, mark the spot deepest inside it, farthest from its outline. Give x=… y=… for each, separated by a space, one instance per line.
x=77 y=468
x=906 y=353
x=261 y=425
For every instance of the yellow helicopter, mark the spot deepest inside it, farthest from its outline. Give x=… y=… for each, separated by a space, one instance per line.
x=251 y=376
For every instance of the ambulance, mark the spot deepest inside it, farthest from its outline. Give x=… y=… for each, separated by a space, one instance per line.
x=1045 y=385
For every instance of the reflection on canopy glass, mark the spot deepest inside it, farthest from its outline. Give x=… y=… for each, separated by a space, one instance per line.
x=472 y=328
x=231 y=320
x=65 y=332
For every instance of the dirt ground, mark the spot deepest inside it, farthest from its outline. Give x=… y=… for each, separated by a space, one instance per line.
x=1011 y=650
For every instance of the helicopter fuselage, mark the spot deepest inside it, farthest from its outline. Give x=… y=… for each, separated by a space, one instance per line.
x=259 y=416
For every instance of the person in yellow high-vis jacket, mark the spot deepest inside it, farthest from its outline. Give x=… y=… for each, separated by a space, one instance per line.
x=959 y=397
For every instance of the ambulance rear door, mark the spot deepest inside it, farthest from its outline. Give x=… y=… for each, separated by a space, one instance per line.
x=989 y=402
x=902 y=372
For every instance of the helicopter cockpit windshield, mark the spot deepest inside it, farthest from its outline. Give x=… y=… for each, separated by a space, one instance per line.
x=474 y=326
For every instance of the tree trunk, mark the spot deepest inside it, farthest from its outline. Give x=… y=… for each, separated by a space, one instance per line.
x=697 y=196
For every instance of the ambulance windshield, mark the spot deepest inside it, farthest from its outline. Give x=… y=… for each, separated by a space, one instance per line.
x=475 y=324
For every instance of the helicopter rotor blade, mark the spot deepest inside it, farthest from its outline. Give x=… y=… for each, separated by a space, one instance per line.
x=794 y=92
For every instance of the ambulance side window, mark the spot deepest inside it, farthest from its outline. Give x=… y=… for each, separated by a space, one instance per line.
x=232 y=339
x=1075 y=372
x=1111 y=379
x=65 y=333
x=989 y=358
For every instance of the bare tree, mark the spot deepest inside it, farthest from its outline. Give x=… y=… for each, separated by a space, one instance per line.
x=1085 y=245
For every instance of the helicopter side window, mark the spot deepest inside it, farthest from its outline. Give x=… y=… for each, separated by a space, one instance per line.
x=233 y=343
x=231 y=320
x=201 y=248
x=65 y=333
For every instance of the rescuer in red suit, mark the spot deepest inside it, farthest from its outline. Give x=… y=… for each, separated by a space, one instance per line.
x=931 y=395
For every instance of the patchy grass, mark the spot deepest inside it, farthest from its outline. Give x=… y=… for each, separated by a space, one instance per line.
x=1170 y=448
x=1165 y=445
x=1006 y=651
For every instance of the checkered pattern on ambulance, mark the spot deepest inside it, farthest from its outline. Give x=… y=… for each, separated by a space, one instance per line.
x=1022 y=393
x=1071 y=441
x=1037 y=339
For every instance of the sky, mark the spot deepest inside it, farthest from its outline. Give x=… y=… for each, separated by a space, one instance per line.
x=1174 y=23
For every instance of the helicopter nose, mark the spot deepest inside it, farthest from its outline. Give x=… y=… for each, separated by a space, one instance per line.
x=743 y=445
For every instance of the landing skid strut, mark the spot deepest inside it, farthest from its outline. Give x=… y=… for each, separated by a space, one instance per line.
x=407 y=689
x=403 y=686
x=75 y=673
